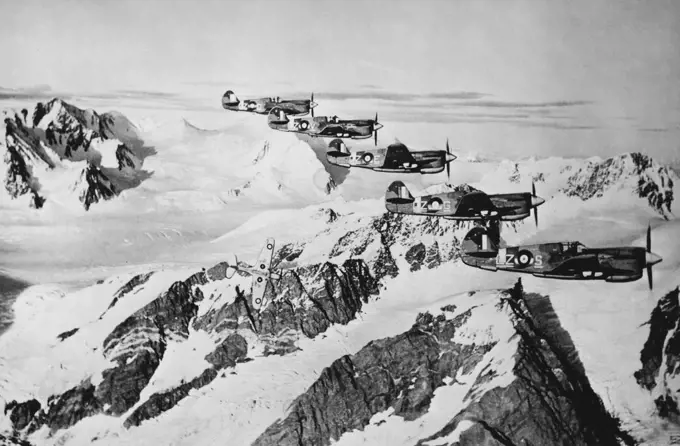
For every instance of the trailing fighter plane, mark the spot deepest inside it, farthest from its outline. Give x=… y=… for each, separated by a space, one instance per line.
x=324 y=126
x=262 y=106
x=562 y=260
x=395 y=158
x=262 y=273
x=462 y=205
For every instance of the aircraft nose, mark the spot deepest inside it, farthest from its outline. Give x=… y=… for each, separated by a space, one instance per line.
x=652 y=259
x=377 y=126
x=450 y=157
x=312 y=104
x=536 y=201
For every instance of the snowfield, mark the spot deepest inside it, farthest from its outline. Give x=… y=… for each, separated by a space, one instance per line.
x=221 y=183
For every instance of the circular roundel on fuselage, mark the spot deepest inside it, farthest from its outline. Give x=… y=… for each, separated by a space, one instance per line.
x=367 y=158
x=304 y=125
x=251 y=105
x=524 y=258
x=435 y=204
x=259 y=279
x=262 y=266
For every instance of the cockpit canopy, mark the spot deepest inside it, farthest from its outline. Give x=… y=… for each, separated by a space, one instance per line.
x=573 y=247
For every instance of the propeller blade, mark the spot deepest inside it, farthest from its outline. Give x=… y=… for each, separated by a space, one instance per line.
x=649 y=238
x=310 y=104
x=375 y=131
x=649 y=277
x=533 y=193
x=448 y=164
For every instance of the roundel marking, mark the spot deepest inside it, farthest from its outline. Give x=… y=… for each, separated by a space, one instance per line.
x=269 y=246
x=259 y=279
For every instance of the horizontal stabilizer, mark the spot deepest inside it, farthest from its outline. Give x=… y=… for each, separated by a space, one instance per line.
x=230 y=99
x=398 y=193
x=337 y=148
x=277 y=116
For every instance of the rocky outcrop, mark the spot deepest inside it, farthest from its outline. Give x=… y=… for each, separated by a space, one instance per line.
x=125 y=157
x=94 y=186
x=131 y=285
x=307 y=300
x=537 y=395
x=660 y=357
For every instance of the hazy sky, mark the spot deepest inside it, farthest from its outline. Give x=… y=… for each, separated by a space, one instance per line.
x=578 y=65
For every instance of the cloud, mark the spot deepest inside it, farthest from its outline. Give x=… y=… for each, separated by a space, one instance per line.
x=504 y=104
x=653 y=129
x=36 y=92
x=398 y=97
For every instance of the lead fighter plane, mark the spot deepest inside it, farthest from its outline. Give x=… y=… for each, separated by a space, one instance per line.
x=262 y=106
x=324 y=126
x=561 y=260
x=394 y=158
x=462 y=205
x=262 y=273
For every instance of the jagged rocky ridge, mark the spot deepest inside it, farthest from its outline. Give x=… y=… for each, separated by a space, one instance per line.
x=660 y=357
x=308 y=301
x=60 y=133
x=524 y=386
x=647 y=178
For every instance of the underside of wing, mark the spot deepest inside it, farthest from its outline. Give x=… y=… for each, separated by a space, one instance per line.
x=264 y=260
x=398 y=156
x=259 y=287
x=574 y=266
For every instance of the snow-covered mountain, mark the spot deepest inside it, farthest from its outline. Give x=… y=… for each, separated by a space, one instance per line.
x=147 y=356
x=63 y=145
x=376 y=333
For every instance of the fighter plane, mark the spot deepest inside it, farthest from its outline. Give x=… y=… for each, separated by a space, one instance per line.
x=395 y=158
x=463 y=205
x=324 y=126
x=561 y=260
x=262 y=106
x=262 y=273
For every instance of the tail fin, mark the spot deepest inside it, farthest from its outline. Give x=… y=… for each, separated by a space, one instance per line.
x=479 y=249
x=479 y=242
x=337 y=148
x=232 y=265
x=277 y=116
x=398 y=193
x=229 y=99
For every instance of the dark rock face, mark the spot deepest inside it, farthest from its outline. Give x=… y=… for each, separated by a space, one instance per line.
x=22 y=413
x=125 y=157
x=230 y=351
x=416 y=256
x=67 y=334
x=94 y=186
x=659 y=364
x=134 y=283
x=161 y=402
x=549 y=399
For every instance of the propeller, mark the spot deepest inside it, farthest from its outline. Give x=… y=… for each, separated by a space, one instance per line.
x=312 y=104
x=651 y=259
x=536 y=201
x=376 y=126
x=449 y=157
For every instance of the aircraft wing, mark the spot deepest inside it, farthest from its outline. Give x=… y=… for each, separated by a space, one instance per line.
x=264 y=260
x=474 y=203
x=398 y=156
x=259 y=287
